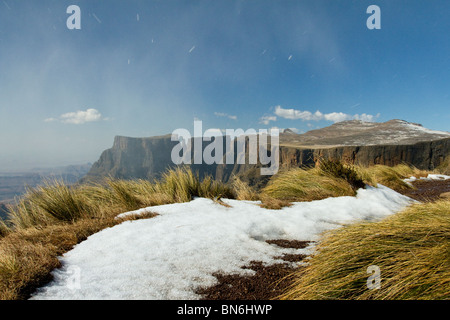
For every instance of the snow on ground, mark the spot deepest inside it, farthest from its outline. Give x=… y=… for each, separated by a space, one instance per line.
x=430 y=177
x=169 y=256
x=419 y=129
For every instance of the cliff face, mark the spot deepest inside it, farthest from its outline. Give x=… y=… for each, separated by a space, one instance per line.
x=148 y=158
x=139 y=158
x=133 y=158
x=423 y=155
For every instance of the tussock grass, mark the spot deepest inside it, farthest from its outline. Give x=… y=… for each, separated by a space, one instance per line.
x=411 y=248
x=243 y=191
x=329 y=179
x=337 y=169
x=4 y=229
x=181 y=184
x=306 y=185
x=273 y=203
x=444 y=167
x=56 y=202
x=391 y=177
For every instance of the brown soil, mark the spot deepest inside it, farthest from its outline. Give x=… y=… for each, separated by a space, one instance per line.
x=295 y=244
x=267 y=283
x=427 y=191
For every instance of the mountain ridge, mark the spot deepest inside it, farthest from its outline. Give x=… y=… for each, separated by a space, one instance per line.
x=360 y=133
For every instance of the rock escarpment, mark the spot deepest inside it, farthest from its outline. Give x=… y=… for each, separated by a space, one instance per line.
x=390 y=143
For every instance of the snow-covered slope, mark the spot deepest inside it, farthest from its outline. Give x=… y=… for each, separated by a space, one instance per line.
x=360 y=133
x=169 y=256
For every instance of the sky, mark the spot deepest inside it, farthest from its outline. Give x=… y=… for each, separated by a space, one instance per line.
x=146 y=68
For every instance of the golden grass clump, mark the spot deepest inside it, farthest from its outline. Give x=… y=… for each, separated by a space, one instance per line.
x=411 y=249
x=391 y=177
x=47 y=204
x=181 y=184
x=444 y=167
x=306 y=185
x=244 y=191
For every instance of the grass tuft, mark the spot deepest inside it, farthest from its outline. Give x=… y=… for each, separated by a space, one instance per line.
x=244 y=191
x=444 y=167
x=411 y=248
x=391 y=177
x=306 y=185
x=337 y=169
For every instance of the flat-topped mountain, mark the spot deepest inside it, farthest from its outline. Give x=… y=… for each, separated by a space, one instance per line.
x=360 y=133
x=357 y=142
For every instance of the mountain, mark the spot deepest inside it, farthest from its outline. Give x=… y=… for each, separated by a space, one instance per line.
x=356 y=142
x=360 y=133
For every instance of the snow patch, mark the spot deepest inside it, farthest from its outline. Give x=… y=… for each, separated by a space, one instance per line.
x=173 y=254
x=430 y=177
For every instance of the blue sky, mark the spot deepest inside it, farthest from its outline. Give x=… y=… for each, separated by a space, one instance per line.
x=144 y=68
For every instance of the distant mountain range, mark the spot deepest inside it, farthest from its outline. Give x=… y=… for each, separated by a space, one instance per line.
x=357 y=142
x=14 y=184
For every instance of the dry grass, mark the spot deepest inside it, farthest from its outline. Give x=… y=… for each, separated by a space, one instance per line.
x=49 y=220
x=391 y=177
x=243 y=191
x=444 y=168
x=55 y=202
x=306 y=185
x=274 y=204
x=411 y=248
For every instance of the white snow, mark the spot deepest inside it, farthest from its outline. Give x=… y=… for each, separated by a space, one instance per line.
x=438 y=177
x=419 y=128
x=169 y=256
x=428 y=178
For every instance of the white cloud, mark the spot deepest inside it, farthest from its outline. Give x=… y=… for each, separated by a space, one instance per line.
x=317 y=116
x=266 y=119
x=366 y=117
x=78 y=117
x=221 y=114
